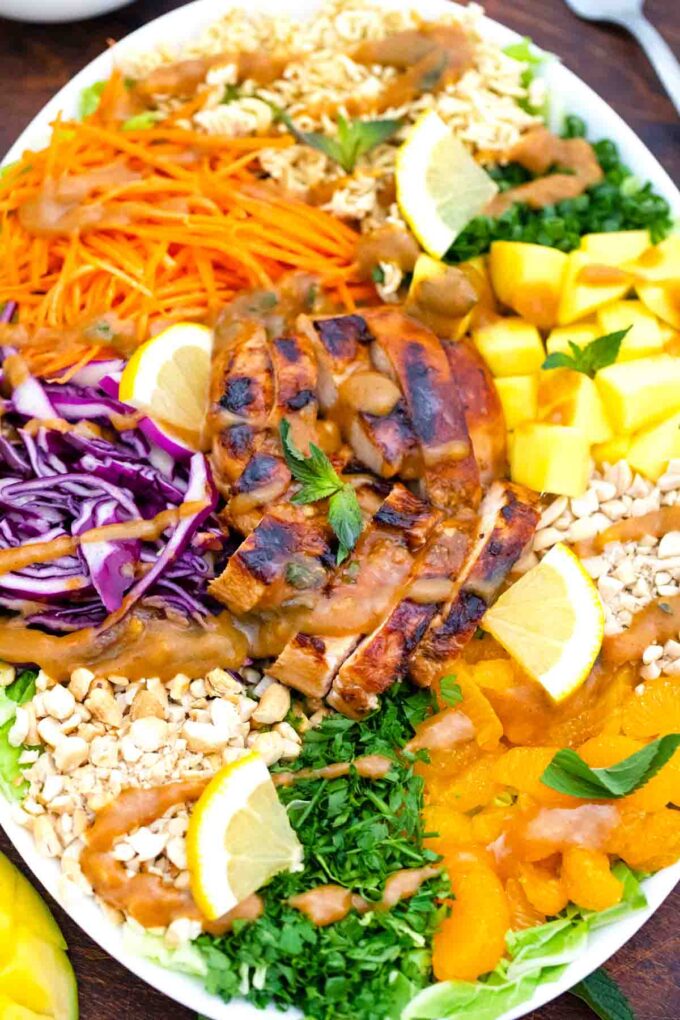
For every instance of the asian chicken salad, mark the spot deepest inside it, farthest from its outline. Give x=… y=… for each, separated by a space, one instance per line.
x=340 y=532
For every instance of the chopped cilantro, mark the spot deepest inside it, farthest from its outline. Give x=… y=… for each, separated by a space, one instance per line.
x=356 y=832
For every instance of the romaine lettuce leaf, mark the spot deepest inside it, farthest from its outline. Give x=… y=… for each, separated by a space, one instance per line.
x=12 y=784
x=89 y=99
x=186 y=958
x=536 y=956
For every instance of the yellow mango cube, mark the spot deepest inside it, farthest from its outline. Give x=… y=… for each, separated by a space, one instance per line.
x=434 y=298
x=581 y=334
x=587 y=286
x=528 y=278
x=617 y=247
x=660 y=262
x=663 y=299
x=510 y=346
x=612 y=451
x=643 y=336
x=651 y=449
x=551 y=458
x=638 y=393
x=571 y=398
x=518 y=395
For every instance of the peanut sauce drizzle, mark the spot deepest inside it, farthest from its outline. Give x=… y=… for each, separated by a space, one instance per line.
x=327 y=904
x=371 y=766
x=147 y=898
x=149 y=530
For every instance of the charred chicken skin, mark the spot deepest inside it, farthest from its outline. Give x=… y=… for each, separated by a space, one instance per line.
x=415 y=425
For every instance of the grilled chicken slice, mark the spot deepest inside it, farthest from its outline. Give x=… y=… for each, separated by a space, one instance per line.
x=382 y=657
x=261 y=574
x=368 y=408
x=414 y=356
x=360 y=594
x=482 y=407
x=508 y=518
x=255 y=383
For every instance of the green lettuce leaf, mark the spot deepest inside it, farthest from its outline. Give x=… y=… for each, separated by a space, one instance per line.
x=12 y=783
x=536 y=956
x=89 y=99
x=186 y=958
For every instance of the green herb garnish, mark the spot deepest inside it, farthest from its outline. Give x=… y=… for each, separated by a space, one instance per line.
x=355 y=832
x=591 y=358
x=89 y=99
x=603 y=995
x=319 y=480
x=12 y=784
x=304 y=574
x=354 y=138
x=450 y=690
x=568 y=773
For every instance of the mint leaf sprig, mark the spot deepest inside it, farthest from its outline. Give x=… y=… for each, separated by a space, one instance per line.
x=319 y=480
x=354 y=138
x=591 y=358
x=568 y=773
x=603 y=995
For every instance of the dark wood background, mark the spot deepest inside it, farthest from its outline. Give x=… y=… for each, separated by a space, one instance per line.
x=35 y=61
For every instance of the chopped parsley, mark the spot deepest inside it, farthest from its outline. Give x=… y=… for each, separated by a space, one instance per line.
x=619 y=202
x=355 y=832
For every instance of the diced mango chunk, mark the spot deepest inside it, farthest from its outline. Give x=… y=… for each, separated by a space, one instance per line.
x=612 y=451
x=581 y=334
x=617 y=247
x=528 y=278
x=659 y=263
x=587 y=286
x=510 y=346
x=651 y=449
x=518 y=395
x=643 y=336
x=551 y=458
x=436 y=298
x=638 y=393
x=663 y=299
x=566 y=397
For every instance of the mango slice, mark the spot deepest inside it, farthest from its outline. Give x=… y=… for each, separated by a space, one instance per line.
x=644 y=335
x=510 y=346
x=638 y=393
x=551 y=458
x=528 y=278
x=519 y=398
x=587 y=286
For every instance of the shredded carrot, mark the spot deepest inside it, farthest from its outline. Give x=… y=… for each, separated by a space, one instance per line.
x=153 y=225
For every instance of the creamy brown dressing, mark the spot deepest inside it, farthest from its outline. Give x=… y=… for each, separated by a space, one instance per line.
x=442 y=731
x=371 y=766
x=137 y=646
x=22 y=556
x=328 y=904
x=655 y=624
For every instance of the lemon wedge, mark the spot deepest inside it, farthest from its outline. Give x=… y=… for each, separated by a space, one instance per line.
x=440 y=186
x=168 y=378
x=239 y=837
x=551 y=622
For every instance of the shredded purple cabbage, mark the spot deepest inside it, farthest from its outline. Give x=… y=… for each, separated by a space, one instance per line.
x=62 y=483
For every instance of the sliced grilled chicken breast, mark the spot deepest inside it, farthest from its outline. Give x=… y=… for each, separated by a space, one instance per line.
x=508 y=518
x=382 y=657
x=259 y=574
x=482 y=407
x=414 y=356
x=360 y=594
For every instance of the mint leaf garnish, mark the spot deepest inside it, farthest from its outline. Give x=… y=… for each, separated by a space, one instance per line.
x=568 y=773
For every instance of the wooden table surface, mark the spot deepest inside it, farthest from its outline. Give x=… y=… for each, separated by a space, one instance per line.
x=35 y=61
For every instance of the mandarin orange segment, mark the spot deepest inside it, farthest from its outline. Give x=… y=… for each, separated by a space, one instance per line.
x=475 y=786
x=471 y=941
x=444 y=766
x=522 y=913
x=654 y=711
x=451 y=827
x=608 y=749
x=478 y=709
x=488 y=824
x=544 y=890
x=494 y=674
x=588 y=880
x=521 y=769
x=662 y=789
x=647 y=842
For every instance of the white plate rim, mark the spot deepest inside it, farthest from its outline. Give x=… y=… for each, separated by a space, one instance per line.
x=571 y=94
